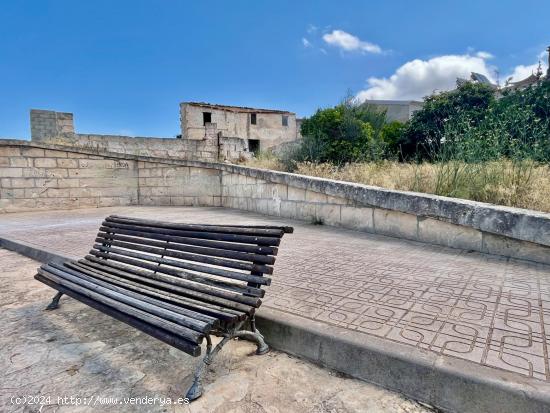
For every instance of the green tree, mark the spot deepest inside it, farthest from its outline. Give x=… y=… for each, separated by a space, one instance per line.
x=338 y=135
x=425 y=131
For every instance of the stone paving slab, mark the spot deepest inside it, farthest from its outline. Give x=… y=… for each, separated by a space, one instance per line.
x=79 y=352
x=483 y=309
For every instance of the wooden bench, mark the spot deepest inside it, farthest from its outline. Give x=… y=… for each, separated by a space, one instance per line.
x=179 y=283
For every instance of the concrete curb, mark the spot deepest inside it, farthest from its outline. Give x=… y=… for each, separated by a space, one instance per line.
x=41 y=254
x=447 y=383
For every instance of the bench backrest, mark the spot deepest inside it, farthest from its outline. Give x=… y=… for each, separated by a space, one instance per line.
x=227 y=261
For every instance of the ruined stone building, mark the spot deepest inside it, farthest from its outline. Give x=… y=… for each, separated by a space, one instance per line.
x=256 y=129
x=208 y=133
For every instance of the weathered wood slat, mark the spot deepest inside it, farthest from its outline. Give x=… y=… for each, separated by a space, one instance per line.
x=160 y=334
x=150 y=239
x=243 y=239
x=183 y=264
x=285 y=229
x=193 y=319
x=272 y=231
x=243 y=304
x=187 y=333
x=222 y=245
x=159 y=311
x=239 y=288
x=158 y=272
x=169 y=252
x=228 y=315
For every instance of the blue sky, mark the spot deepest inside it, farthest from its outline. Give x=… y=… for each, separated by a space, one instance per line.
x=122 y=67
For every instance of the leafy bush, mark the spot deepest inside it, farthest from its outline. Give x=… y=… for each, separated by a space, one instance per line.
x=391 y=134
x=337 y=135
x=516 y=127
x=349 y=132
x=425 y=131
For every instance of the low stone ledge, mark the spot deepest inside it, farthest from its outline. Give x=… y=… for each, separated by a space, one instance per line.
x=522 y=224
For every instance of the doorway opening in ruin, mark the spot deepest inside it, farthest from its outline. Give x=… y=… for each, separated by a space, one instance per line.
x=254 y=146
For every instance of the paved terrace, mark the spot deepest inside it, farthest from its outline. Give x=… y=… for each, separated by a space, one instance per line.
x=80 y=352
x=483 y=309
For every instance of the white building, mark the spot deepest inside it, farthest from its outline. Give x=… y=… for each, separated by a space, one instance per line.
x=401 y=110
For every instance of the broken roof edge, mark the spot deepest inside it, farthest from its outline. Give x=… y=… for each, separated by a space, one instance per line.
x=236 y=108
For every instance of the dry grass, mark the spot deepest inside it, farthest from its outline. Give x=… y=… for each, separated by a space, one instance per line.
x=519 y=184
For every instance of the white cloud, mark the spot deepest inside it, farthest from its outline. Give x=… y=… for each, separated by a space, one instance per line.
x=418 y=78
x=484 y=55
x=306 y=42
x=349 y=42
x=311 y=29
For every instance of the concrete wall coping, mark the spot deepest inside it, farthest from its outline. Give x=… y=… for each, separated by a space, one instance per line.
x=521 y=224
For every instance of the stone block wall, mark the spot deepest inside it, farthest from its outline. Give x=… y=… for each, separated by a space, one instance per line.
x=46 y=123
x=34 y=178
x=57 y=128
x=127 y=145
x=165 y=184
x=37 y=178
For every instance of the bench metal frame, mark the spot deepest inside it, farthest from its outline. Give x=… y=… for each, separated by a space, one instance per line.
x=196 y=388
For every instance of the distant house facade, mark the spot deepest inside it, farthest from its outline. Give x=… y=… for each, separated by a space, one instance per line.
x=400 y=110
x=258 y=129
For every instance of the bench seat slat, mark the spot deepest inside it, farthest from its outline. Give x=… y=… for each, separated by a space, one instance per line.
x=167 y=249
x=159 y=240
x=159 y=311
x=154 y=320
x=243 y=239
x=176 y=274
x=145 y=277
x=158 y=273
x=107 y=273
x=239 y=288
x=231 y=229
x=219 y=245
x=163 y=335
x=194 y=320
x=239 y=276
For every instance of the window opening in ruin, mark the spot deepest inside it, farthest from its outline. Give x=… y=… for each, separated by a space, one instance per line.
x=252 y=118
x=285 y=120
x=206 y=118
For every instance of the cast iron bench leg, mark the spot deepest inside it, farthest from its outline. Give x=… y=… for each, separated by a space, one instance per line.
x=55 y=302
x=195 y=391
x=256 y=337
